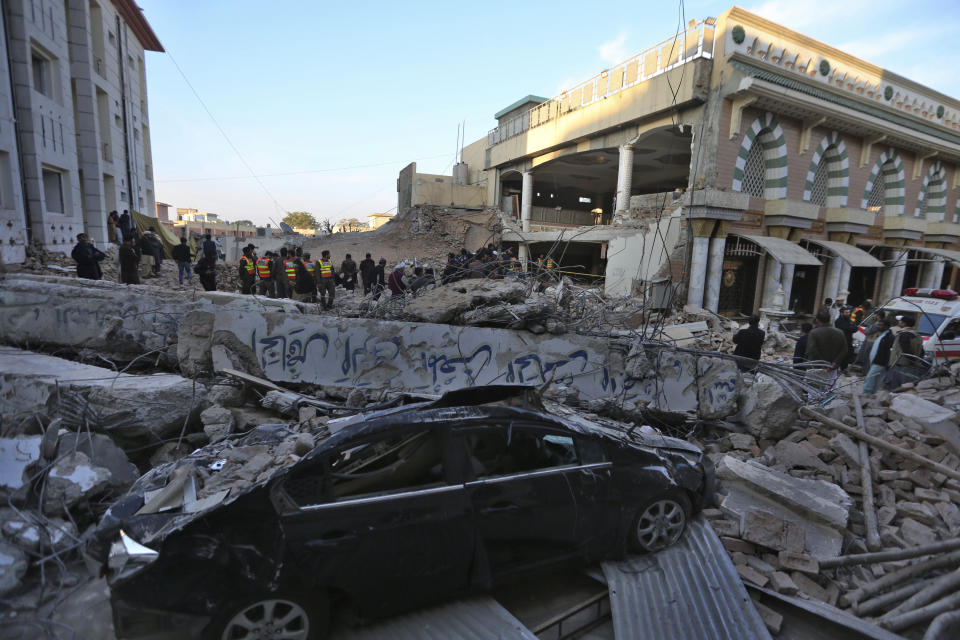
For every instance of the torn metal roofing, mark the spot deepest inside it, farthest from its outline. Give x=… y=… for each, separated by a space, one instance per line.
x=690 y=591
x=481 y=618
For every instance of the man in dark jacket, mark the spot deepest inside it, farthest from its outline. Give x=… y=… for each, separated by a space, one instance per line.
x=305 y=287
x=88 y=258
x=150 y=245
x=129 y=263
x=206 y=268
x=368 y=270
x=846 y=325
x=209 y=247
x=181 y=253
x=800 y=350
x=828 y=344
x=749 y=343
x=380 y=277
x=879 y=357
x=348 y=273
x=126 y=225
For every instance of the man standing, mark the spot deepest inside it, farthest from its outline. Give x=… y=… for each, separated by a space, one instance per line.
x=209 y=247
x=248 y=270
x=827 y=344
x=305 y=289
x=151 y=246
x=348 y=272
x=206 y=268
x=800 y=350
x=88 y=258
x=380 y=277
x=181 y=253
x=327 y=284
x=265 y=273
x=398 y=282
x=126 y=225
x=749 y=343
x=130 y=263
x=367 y=273
x=879 y=356
x=280 y=274
x=846 y=325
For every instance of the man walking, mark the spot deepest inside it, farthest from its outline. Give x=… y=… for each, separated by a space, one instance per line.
x=181 y=253
x=88 y=258
x=327 y=283
x=846 y=325
x=749 y=343
x=827 y=344
x=368 y=270
x=130 y=263
x=380 y=277
x=879 y=356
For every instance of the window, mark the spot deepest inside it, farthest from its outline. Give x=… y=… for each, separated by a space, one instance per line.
x=499 y=451
x=877 y=197
x=42 y=76
x=395 y=464
x=754 y=171
x=818 y=192
x=53 y=190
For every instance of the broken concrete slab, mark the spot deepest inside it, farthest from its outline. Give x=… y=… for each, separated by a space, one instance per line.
x=13 y=566
x=443 y=304
x=718 y=385
x=218 y=423
x=16 y=455
x=769 y=412
x=34 y=534
x=931 y=416
x=791 y=455
x=768 y=530
x=103 y=453
x=72 y=479
x=135 y=411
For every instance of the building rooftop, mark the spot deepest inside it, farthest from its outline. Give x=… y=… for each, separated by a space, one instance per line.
x=519 y=103
x=133 y=15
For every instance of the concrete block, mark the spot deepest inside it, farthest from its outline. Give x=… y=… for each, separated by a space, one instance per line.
x=751 y=575
x=742 y=441
x=772 y=619
x=809 y=587
x=16 y=455
x=13 y=566
x=916 y=534
x=736 y=544
x=773 y=532
x=919 y=511
x=798 y=562
x=782 y=583
x=769 y=412
x=72 y=479
x=848 y=451
x=932 y=417
x=792 y=455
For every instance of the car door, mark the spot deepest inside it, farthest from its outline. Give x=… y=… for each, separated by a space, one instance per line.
x=381 y=520
x=526 y=491
x=946 y=344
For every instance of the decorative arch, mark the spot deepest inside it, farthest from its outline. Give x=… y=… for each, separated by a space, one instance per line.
x=832 y=151
x=932 y=199
x=895 y=181
x=767 y=130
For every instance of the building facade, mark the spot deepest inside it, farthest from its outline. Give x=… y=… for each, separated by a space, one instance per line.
x=74 y=124
x=196 y=221
x=742 y=159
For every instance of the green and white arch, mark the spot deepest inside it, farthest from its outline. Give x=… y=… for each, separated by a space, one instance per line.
x=890 y=167
x=767 y=130
x=932 y=199
x=832 y=151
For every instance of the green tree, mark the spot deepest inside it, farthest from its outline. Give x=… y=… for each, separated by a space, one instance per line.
x=243 y=222
x=301 y=220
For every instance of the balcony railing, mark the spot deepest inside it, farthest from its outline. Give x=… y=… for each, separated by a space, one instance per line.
x=695 y=42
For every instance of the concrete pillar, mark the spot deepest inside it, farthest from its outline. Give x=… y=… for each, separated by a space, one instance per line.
x=698 y=271
x=786 y=281
x=771 y=281
x=892 y=279
x=526 y=201
x=844 y=289
x=831 y=283
x=624 y=178
x=715 y=272
x=933 y=273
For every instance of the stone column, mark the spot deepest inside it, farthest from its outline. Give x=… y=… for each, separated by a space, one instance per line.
x=892 y=281
x=526 y=201
x=715 y=272
x=844 y=288
x=831 y=282
x=698 y=271
x=786 y=281
x=933 y=273
x=772 y=281
x=624 y=178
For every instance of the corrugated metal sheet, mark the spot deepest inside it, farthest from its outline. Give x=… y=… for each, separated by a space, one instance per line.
x=856 y=256
x=480 y=618
x=688 y=591
x=783 y=250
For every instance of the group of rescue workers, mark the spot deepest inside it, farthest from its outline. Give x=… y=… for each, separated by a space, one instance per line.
x=294 y=274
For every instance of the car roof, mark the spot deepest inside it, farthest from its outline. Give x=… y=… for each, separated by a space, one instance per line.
x=921 y=304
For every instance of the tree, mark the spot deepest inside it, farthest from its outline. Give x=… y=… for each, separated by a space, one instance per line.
x=301 y=220
x=247 y=223
x=326 y=226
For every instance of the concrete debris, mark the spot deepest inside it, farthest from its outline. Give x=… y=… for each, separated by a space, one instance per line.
x=443 y=304
x=768 y=410
x=218 y=423
x=72 y=479
x=16 y=456
x=35 y=534
x=13 y=566
x=102 y=452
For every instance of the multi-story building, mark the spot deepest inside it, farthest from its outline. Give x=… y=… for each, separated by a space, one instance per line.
x=738 y=157
x=74 y=125
x=199 y=222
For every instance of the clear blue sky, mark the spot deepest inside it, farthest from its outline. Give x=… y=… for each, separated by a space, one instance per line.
x=332 y=88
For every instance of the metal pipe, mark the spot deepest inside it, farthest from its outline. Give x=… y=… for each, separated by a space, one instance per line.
x=866 y=483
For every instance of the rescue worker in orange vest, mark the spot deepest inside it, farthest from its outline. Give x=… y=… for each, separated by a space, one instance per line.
x=549 y=262
x=326 y=283
x=311 y=268
x=248 y=270
x=265 y=273
x=540 y=261
x=280 y=274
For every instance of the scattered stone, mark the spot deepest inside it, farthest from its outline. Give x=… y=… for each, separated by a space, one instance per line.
x=72 y=479
x=768 y=410
x=782 y=583
x=918 y=511
x=793 y=455
x=846 y=449
x=771 y=618
x=950 y=514
x=736 y=544
x=770 y=531
x=16 y=454
x=103 y=453
x=218 y=423
x=915 y=534
x=13 y=566
x=742 y=441
x=809 y=587
x=798 y=562
x=753 y=576
x=303 y=445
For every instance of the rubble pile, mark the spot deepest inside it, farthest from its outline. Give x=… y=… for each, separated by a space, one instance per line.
x=799 y=515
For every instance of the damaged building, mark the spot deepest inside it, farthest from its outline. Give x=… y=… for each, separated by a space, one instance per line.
x=735 y=160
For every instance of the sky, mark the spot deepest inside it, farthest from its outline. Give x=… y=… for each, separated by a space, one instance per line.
x=326 y=102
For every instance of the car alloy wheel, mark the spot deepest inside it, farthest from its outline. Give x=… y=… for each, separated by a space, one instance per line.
x=660 y=524
x=273 y=619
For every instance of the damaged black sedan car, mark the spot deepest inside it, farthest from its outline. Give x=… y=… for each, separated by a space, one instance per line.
x=390 y=512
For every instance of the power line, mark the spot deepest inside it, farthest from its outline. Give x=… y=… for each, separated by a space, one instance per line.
x=305 y=172
x=224 y=133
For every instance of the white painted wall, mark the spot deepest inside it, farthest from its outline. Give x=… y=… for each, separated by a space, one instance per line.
x=639 y=254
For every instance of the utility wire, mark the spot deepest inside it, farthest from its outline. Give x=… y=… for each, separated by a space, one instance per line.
x=224 y=133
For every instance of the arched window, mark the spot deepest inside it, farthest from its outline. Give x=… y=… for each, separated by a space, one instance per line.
x=755 y=172
x=761 y=167
x=884 y=192
x=932 y=201
x=818 y=192
x=828 y=178
x=878 y=194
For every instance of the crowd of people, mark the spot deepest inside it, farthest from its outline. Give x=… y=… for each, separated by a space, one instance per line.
x=888 y=355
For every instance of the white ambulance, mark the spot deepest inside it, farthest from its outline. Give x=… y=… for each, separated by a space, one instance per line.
x=937 y=312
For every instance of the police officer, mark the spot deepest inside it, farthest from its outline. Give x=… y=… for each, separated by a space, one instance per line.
x=248 y=270
x=265 y=273
x=326 y=283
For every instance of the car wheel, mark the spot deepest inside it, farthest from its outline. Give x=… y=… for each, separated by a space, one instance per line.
x=274 y=616
x=661 y=522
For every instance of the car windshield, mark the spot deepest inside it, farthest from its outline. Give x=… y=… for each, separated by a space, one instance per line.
x=927 y=324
